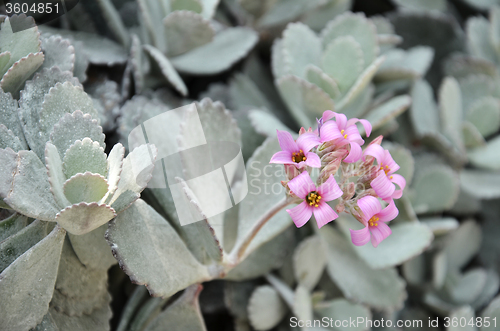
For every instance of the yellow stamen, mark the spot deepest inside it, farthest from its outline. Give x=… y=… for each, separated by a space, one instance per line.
x=313 y=199
x=341 y=131
x=390 y=177
x=304 y=158
x=345 y=136
x=373 y=221
x=298 y=157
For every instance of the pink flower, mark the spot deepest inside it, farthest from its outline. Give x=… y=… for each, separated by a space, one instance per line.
x=297 y=152
x=315 y=199
x=383 y=184
x=375 y=219
x=343 y=132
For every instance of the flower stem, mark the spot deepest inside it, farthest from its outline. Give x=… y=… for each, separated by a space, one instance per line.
x=239 y=249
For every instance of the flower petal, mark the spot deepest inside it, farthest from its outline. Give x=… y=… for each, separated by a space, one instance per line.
x=330 y=131
x=330 y=190
x=302 y=185
x=300 y=214
x=327 y=114
x=282 y=157
x=379 y=233
x=355 y=153
x=286 y=141
x=341 y=120
x=360 y=237
x=324 y=214
x=389 y=161
x=370 y=206
x=307 y=141
x=353 y=135
x=366 y=124
x=376 y=151
x=401 y=182
x=388 y=213
x=313 y=160
x=382 y=185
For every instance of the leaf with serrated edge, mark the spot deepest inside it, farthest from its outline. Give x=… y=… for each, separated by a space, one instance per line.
x=167 y=69
x=305 y=100
x=62 y=99
x=19 y=44
x=15 y=77
x=183 y=314
x=228 y=47
x=58 y=52
x=163 y=263
x=279 y=65
x=361 y=83
x=85 y=187
x=380 y=289
x=406 y=241
x=9 y=140
x=185 y=31
x=481 y=184
x=309 y=261
x=137 y=169
x=357 y=26
x=55 y=172
x=84 y=217
x=31 y=101
x=85 y=155
x=73 y=127
x=265 y=308
x=316 y=76
x=114 y=168
x=343 y=61
x=303 y=47
x=30 y=194
x=8 y=116
x=18 y=309
x=136 y=59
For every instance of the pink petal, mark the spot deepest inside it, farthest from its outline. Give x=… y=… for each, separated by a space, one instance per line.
x=376 y=151
x=353 y=135
x=327 y=114
x=282 y=157
x=324 y=214
x=388 y=213
x=286 y=141
x=370 y=206
x=379 y=233
x=388 y=160
x=302 y=185
x=401 y=182
x=355 y=153
x=360 y=237
x=300 y=214
x=366 y=124
x=383 y=186
x=330 y=190
x=307 y=141
x=330 y=131
x=313 y=160
x=341 y=120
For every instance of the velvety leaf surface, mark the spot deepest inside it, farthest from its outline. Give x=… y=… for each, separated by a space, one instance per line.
x=85 y=156
x=84 y=217
x=185 y=31
x=25 y=300
x=163 y=263
x=265 y=308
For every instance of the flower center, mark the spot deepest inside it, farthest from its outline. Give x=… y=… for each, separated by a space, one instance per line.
x=342 y=133
x=313 y=199
x=298 y=157
x=386 y=168
x=373 y=221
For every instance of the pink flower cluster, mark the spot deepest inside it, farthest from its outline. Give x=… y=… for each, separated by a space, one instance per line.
x=368 y=184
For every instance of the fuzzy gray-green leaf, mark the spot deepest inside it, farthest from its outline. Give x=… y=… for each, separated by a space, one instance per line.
x=85 y=155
